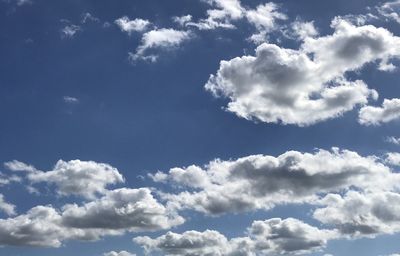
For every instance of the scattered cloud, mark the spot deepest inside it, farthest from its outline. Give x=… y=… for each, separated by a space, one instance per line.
x=389 y=111
x=19 y=166
x=6 y=207
x=393 y=158
x=305 y=86
x=393 y=140
x=130 y=26
x=121 y=253
x=71 y=100
x=390 y=10
x=164 y=38
x=269 y=237
x=69 y=31
x=263 y=181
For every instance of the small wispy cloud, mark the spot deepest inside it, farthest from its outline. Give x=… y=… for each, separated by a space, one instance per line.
x=71 y=100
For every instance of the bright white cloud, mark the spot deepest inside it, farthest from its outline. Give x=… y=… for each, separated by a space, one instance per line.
x=130 y=26
x=133 y=210
x=389 y=111
x=361 y=214
x=165 y=39
x=182 y=20
x=269 y=237
x=75 y=177
x=121 y=253
x=393 y=140
x=308 y=85
x=69 y=31
x=390 y=10
x=393 y=158
x=6 y=207
x=302 y=29
x=262 y=181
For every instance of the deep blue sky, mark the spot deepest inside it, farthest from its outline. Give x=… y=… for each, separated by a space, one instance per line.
x=143 y=117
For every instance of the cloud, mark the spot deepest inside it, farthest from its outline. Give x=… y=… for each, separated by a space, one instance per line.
x=75 y=177
x=130 y=26
x=87 y=17
x=269 y=237
x=393 y=158
x=121 y=253
x=263 y=181
x=165 y=39
x=182 y=20
x=305 y=86
x=393 y=140
x=119 y=211
x=16 y=165
x=133 y=210
x=389 y=111
x=71 y=100
x=6 y=207
x=69 y=31
x=390 y=10
x=222 y=16
x=302 y=29
x=359 y=214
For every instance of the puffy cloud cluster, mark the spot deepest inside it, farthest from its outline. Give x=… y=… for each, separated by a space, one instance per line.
x=164 y=38
x=130 y=26
x=263 y=181
x=75 y=177
x=393 y=158
x=269 y=237
x=308 y=85
x=390 y=10
x=361 y=214
x=389 y=111
x=119 y=211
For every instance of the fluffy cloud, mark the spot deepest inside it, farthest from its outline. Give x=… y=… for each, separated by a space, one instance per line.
x=222 y=16
x=121 y=209
x=159 y=39
x=273 y=236
x=361 y=214
x=121 y=253
x=75 y=177
x=302 y=30
x=393 y=158
x=130 y=26
x=389 y=111
x=390 y=10
x=262 y=181
x=308 y=85
x=6 y=207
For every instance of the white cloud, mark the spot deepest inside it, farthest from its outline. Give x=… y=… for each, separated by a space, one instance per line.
x=133 y=210
x=166 y=39
x=308 y=85
x=130 y=26
x=302 y=29
x=390 y=10
x=393 y=158
x=182 y=20
x=16 y=165
x=69 y=31
x=393 y=140
x=269 y=237
x=222 y=16
x=6 y=207
x=75 y=177
x=121 y=253
x=86 y=17
x=361 y=214
x=389 y=111
x=262 y=181
x=69 y=99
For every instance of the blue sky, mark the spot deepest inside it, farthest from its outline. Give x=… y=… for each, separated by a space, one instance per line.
x=273 y=125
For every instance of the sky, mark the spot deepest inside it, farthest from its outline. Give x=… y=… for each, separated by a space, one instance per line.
x=199 y=127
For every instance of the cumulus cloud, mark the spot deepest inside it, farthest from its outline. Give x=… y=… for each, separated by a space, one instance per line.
x=157 y=39
x=263 y=181
x=222 y=16
x=308 y=85
x=122 y=209
x=269 y=237
x=130 y=26
x=361 y=214
x=302 y=29
x=121 y=253
x=389 y=111
x=393 y=158
x=6 y=207
x=75 y=177
x=182 y=20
